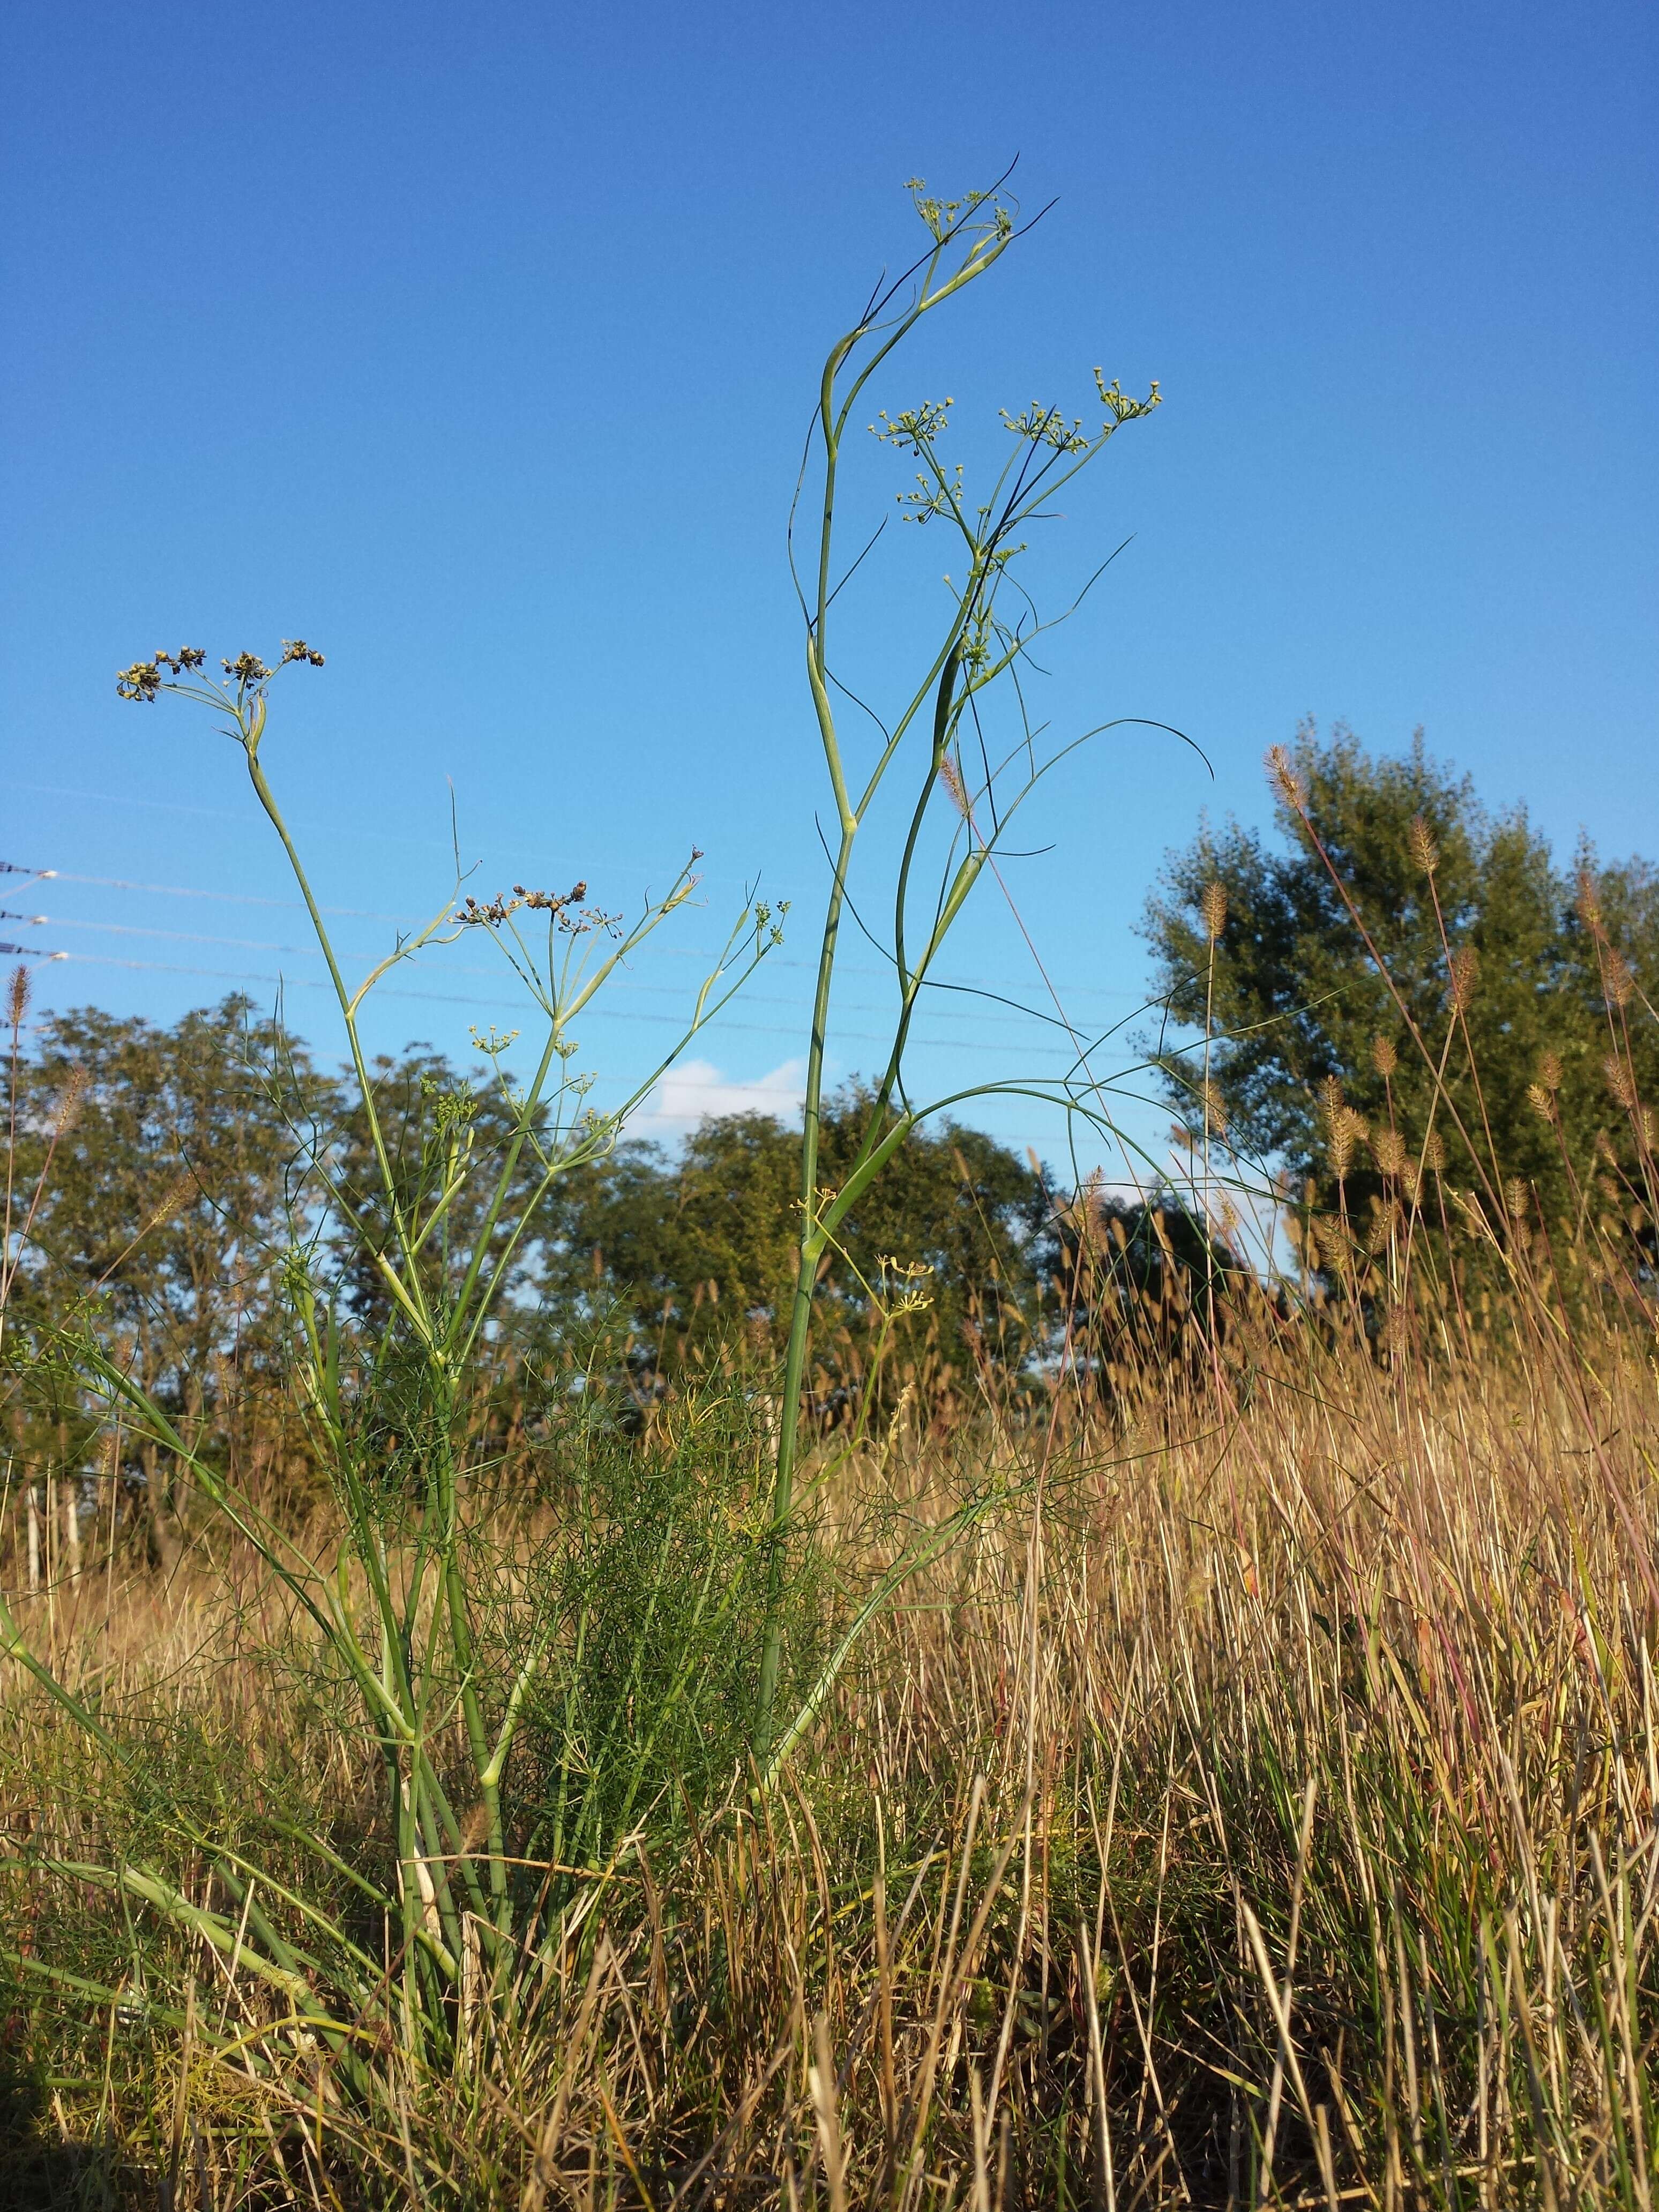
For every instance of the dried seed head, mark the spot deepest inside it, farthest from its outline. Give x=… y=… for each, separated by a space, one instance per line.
x=1215 y=1108
x=1549 y=1070
x=1589 y=903
x=1617 y=980
x=1347 y=1131
x=1394 y=1335
x=1434 y=1153
x=17 y=996
x=1213 y=905
x=1383 y=1219
x=296 y=648
x=1283 y=781
x=1464 y=970
x=173 y=1199
x=141 y=681
x=1332 y=1245
x=1424 y=851
x=1541 y=1101
x=1621 y=1081
x=1384 y=1058
x=1331 y=1100
x=1410 y=1180
x=1516 y=1198
x=951 y=777
x=69 y=1103
x=1389 y=1150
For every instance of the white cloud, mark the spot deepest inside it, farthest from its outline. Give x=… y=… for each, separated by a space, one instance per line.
x=695 y=1088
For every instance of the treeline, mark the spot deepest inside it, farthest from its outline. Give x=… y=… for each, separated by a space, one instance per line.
x=178 y=1166
x=1430 y=1048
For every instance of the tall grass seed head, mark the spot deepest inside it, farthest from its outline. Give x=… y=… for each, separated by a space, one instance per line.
x=1617 y=981
x=1589 y=903
x=17 y=996
x=1285 y=780
x=1464 y=973
x=1424 y=851
x=1621 y=1081
x=1389 y=1150
x=1348 y=1130
x=1213 y=905
x=1384 y=1059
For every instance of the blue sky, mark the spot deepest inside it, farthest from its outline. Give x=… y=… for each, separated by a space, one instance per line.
x=477 y=345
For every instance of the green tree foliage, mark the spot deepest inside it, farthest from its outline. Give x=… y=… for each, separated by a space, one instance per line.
x=1485 y=1045
x=177 y=1177
x=695 y=1252
x=176 y=1182
x=444 y=1129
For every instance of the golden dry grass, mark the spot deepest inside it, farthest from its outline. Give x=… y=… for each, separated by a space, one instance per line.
x=1259 y=1809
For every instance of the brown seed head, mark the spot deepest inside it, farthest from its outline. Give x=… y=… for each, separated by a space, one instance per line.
x=1424 y=851
x=1434 y=1153
x=1389 y=1150
x=1384 y=1058
x=1617 y=980
x=1589 y=903
x=1516 y=1198
x=17 y=996
x=1283 y=781
x=1621 y=1081
x=1465 y=968
x=1213 y=905
x=1549 y=1070
x=1330 y=1098
x=1348 y=1130
x=1541 y=1101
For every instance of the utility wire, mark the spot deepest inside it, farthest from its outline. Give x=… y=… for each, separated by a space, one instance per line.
x=364 y=914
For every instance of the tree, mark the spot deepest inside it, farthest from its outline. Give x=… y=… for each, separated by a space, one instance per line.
x=179 y=1180
x=699 y=1252
x=1408 y=982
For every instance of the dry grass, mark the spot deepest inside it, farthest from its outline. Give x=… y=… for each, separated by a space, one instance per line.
x=1260 y=1811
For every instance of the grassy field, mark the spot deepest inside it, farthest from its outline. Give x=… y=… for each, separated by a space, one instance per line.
x=1210 y=1763
x=1253 y=1803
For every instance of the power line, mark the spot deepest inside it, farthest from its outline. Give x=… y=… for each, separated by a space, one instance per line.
x=926 y=1011
x=364 y=914
x=477 y=999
